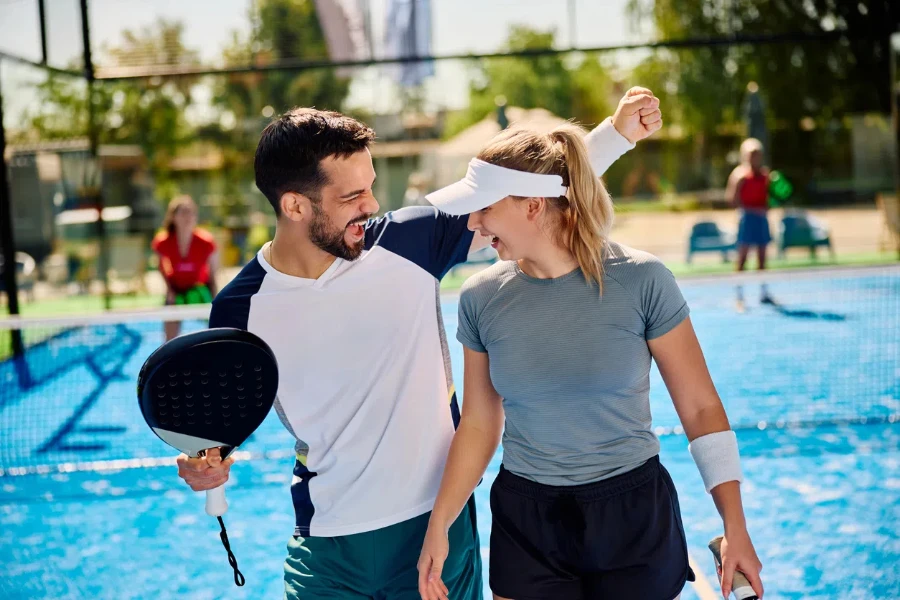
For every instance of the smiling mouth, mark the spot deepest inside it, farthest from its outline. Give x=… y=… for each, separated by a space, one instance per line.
x=356 y=229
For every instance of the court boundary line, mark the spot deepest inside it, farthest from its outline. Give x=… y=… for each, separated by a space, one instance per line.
x=122 y=464
x=702 y=587
x=117 y=464
x=825 y=271
x=112 y=317
x=766 y=276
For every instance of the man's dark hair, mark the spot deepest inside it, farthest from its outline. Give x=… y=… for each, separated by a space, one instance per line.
x=292 y=146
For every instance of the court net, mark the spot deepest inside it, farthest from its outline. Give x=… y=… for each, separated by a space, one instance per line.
x=828 y=352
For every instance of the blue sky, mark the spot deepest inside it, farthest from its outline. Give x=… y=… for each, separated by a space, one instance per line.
x=459 y=26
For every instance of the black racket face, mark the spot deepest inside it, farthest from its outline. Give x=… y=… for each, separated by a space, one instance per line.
x=208 y=388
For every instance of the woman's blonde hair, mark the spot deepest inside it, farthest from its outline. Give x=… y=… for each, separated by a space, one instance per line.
x=585 y=213
x=174 y=204
x=748 y=147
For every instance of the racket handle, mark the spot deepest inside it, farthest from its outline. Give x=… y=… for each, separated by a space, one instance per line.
x=740 y=587
x=215 y=502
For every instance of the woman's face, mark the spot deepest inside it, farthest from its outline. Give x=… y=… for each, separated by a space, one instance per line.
x=756 y=160
x=511 y=224
x=185 y=217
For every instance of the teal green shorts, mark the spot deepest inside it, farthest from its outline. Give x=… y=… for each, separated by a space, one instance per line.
x=381 y=564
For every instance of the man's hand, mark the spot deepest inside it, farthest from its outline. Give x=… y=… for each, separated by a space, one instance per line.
x=205 y=473
x=638 y=116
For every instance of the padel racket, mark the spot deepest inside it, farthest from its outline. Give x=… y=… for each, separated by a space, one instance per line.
x=740 y=587
x=209 y=389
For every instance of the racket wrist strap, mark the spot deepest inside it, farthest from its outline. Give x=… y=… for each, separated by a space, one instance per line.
x=223 y=535
x=717 y=458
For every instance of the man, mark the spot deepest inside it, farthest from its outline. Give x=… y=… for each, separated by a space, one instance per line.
x=351 y=308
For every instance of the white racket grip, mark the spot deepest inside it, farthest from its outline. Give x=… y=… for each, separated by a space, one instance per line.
x=215 y=501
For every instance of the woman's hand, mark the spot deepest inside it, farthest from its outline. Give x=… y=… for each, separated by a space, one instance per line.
x=435 y=549
x=738 y=554
x=638 y=116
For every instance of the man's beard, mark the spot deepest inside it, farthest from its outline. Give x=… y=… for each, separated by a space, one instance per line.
x=327 y=237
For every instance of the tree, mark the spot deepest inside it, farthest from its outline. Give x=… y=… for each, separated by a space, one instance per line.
x=281 y=30
x=822 y=79
x=147 y=112
x=579 y=91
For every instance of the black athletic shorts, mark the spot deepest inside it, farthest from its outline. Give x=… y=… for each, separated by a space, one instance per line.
x=617 y=538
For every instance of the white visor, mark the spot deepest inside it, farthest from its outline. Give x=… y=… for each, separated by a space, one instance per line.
x=485 y=184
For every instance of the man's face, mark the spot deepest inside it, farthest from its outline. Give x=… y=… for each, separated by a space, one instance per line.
x=338 y=223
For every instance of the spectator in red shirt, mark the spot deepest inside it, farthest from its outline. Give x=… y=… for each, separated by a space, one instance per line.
x=748 y=191
x=186 y=258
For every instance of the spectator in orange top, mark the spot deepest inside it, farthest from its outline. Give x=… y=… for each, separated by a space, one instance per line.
x=186 y=258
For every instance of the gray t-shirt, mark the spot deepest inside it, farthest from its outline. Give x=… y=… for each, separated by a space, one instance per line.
x=572 y=366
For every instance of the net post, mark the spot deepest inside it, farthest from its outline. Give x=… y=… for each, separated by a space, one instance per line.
x=894 y=53
x=42 y=15
x=7 y=241
x=93 y=139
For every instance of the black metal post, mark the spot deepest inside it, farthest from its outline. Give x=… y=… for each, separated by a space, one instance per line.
x=893 y=44
x=7 y=241
x=42 y=14
x=93 y=141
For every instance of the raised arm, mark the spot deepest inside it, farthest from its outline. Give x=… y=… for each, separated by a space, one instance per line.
x=637 y=117
x=474 y=444
x=683 y=368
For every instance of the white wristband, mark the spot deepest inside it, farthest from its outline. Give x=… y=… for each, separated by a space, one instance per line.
x=717 y=458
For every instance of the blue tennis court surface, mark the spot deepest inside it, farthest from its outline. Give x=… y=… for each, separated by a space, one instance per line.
x=822 y=500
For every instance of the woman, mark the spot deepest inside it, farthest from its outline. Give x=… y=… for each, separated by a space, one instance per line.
x=558 y=340
x=748 y=191
x=186 y=258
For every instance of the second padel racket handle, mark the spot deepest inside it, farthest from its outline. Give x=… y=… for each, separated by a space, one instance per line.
x=216 y=505
x=740 y=587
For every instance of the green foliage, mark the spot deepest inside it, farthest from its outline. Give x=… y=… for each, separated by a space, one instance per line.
x=282 y=30
x=824 y=80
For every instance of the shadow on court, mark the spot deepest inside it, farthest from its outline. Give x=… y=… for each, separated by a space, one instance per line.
x=802 y=313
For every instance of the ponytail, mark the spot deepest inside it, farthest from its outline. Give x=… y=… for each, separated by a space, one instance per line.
x=589 y=215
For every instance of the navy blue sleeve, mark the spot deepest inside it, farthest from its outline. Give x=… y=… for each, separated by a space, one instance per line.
x=423 y=235
x=231 y=306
